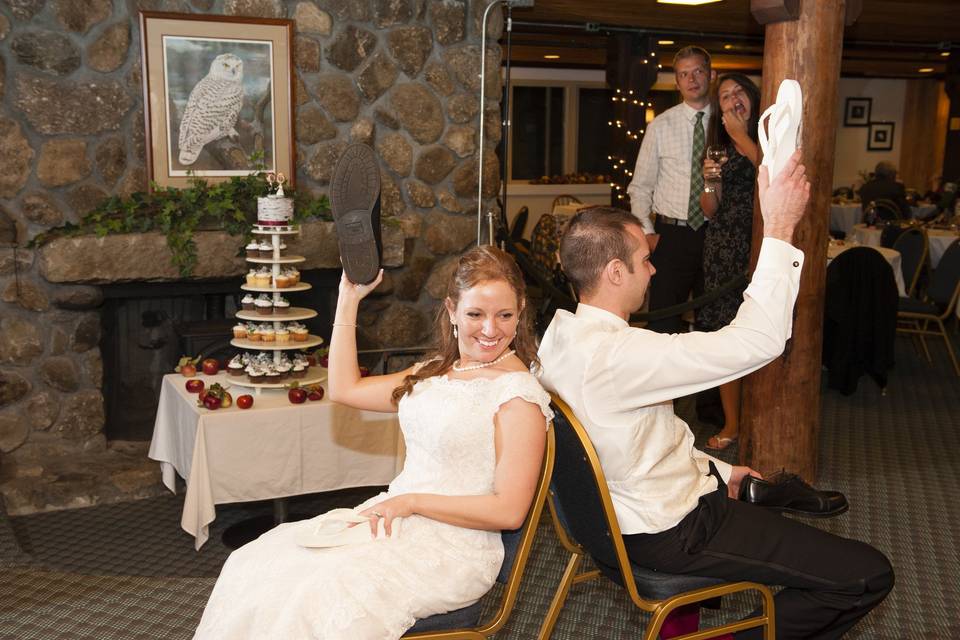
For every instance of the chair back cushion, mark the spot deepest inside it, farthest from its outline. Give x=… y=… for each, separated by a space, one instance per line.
x=890 y=234
x=911 y=245
x=943 y=283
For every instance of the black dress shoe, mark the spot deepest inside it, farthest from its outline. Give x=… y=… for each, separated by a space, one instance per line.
x=355 y=206
x=787 y=492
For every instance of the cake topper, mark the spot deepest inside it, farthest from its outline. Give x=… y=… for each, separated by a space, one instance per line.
x=280 y=180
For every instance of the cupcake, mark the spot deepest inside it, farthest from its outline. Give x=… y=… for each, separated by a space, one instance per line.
x=281 y=306
x=301 y=334
x=272 y=376
x=264 y=306
x=282 y=281
x=240 y=331
x=256 y=374
x=283 y=336
x=294 y=276
x=268 y=335
x=266 y=249
x=252 y=278
x=299 y=370
x=253 y=249
x=247 y=303
x=263 y=279
x=253 y=333
x=235 y=366
x=284 y=369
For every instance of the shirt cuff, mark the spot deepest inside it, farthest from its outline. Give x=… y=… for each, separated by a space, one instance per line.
x=775 y=252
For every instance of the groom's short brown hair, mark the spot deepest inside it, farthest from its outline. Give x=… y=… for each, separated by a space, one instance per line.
x=593 y=238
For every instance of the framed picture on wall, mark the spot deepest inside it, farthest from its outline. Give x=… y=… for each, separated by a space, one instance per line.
x=857 y=112
x=880 y=136
x=217 y=96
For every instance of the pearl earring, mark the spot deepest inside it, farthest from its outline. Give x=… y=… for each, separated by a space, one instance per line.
x=456 y=334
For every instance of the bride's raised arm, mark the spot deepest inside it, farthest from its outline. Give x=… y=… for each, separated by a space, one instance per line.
x=344 y=383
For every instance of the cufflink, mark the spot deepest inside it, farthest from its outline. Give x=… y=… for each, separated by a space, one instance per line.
x=796 y=264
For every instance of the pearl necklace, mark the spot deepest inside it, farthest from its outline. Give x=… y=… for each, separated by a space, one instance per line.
x=473 y=367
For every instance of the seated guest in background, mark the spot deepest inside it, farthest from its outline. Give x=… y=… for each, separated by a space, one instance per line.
x=675 y=505
x=474 y=421
x=727 y=202
x=884 y=186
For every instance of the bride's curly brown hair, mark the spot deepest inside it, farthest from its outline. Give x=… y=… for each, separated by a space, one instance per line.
x=480 y=264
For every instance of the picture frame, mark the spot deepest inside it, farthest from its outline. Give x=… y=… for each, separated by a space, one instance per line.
x=880 y=136
x=856 y=112
x=218 y=97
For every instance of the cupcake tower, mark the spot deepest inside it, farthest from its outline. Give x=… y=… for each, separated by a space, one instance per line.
x=268 y=323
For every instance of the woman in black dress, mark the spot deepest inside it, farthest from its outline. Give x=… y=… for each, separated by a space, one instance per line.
x=727 y=201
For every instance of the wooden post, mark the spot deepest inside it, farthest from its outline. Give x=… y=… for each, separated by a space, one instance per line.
x=781 y=402
x=951 y=152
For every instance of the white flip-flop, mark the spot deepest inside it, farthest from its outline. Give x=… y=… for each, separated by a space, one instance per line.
x=779 y=127
x=332 y=529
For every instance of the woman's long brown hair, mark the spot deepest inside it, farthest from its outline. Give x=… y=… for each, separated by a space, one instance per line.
x=480 y=264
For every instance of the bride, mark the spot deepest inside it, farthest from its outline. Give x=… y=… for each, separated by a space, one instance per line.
x=474 y=422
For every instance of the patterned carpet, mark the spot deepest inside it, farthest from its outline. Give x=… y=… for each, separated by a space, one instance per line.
x=128 y=571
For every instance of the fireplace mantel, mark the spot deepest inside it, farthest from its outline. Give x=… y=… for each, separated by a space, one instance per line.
x=145 y=256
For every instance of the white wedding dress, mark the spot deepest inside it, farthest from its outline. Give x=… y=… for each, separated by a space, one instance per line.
x=273 y=588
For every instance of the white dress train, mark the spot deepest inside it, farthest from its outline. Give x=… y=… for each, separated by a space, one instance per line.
x=273 y=588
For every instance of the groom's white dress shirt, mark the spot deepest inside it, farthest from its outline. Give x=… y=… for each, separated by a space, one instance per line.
x=620 y=382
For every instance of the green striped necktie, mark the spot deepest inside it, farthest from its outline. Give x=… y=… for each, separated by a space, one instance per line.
x=694 y=211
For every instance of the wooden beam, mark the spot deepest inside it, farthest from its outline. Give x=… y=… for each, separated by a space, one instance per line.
x=781 y=402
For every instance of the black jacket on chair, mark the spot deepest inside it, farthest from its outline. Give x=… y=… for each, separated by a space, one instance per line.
x=859 y=319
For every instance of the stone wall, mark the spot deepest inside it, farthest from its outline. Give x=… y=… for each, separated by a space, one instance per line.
x=399 y=75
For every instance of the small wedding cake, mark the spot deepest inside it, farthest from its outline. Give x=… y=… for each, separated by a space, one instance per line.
x=274 y=211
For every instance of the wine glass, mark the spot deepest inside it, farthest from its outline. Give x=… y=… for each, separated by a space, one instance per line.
x=718 y=154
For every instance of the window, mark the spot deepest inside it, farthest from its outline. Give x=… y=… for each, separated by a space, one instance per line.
x=537 y=132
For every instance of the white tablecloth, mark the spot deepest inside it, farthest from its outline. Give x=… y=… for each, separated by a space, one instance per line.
x=939 y=240
x=867 y=236
x=273 y=450
x=893 y=257
x=843 y=217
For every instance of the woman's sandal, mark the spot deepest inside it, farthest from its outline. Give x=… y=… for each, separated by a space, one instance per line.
x=719 y=443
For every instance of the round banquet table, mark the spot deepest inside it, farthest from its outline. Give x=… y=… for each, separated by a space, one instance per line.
x=893 y=257
x=939 y=240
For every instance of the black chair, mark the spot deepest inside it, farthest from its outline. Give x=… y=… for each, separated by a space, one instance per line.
x=888 y=210
x=912 y=245
x=889 y=234
x=519 y=224
x=464 y=624
x=859 y=319
x=585 y=521
x=915 y=316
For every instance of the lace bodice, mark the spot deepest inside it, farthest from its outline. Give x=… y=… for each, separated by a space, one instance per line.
x=448 y=429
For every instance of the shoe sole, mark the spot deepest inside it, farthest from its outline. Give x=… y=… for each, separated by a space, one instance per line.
x=354 y=194
x=810 y=514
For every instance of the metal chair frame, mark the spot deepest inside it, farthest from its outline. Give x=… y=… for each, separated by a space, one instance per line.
x=659 y=609
x=890 y=205
x=512 y=586
x=918 y=324
x=564 y=199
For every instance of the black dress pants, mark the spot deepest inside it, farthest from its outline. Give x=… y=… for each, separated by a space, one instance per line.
x=829 y=582
x=678 y=259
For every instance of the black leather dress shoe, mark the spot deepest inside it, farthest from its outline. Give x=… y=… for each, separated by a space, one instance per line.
x=787 y=492
x=355 y=206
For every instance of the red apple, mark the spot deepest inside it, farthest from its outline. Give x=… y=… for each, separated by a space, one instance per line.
x=296 y=395
x=324 y=361
x=245 y=401
x=210 y=366
x=211 y=402
x=316 y=394
x=194 y=385
x=364 y=372
x=188 y=370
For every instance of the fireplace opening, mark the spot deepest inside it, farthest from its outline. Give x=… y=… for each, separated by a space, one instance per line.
x=148 y=326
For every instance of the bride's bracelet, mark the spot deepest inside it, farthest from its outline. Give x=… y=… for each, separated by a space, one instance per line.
x=344 y=324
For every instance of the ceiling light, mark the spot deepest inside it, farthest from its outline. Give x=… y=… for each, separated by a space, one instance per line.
x=925 y=69
x=687 y=2
x=664 y=41
x=728 y=47
x=551 y=56
x=945 y=54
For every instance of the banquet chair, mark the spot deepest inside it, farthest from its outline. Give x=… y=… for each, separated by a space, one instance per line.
x=888 y=210
x=585 y=521
x=913 y=248
x=519 y=225
x=889 y=234
x=564 y=199
x=464 y=624
x=915 y=316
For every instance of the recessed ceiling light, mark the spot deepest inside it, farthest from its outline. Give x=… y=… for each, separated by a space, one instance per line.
x=688 y=2
x=551 y=56
x=925 y=69
x=945 y=54
x=664 y=41
x=728 y=47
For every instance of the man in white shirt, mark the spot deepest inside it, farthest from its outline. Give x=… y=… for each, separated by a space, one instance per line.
x=667 y=182
x=676 y=505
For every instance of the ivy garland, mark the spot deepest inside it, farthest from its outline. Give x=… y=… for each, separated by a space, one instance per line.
x=179 y=213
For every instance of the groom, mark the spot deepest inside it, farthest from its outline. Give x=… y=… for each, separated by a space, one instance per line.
x=676 y=505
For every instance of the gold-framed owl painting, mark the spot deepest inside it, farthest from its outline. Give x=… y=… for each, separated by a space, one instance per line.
x=219 y=96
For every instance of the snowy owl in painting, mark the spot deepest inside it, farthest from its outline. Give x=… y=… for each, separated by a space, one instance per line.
x=212 y=109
